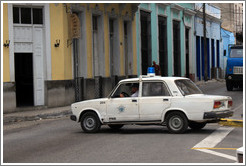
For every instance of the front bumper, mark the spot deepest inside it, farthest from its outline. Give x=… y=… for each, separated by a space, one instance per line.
x=217 y=114
x=234 y=77
x=73 y=117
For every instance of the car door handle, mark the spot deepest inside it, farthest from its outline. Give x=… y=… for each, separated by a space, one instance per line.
x=165 y=100
x=134 y=100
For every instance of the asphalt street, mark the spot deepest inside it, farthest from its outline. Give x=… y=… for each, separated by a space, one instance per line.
x=62 y=141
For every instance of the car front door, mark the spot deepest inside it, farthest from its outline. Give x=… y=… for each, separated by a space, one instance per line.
x=123 y=108
x=154 y=100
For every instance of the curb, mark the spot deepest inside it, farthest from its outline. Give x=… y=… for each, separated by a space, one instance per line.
x=54 y=115
x=231 y=122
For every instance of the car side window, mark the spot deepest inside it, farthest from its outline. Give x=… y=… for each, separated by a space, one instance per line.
x=154 y=89
x=125 y=90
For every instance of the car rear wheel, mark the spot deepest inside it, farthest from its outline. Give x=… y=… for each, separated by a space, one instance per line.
x=196 y=125
x=177 y=122
x=116 y=126
x=90 y=122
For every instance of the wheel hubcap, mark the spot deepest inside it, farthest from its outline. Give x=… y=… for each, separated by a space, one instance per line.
x=175 y=123
x=89 y=123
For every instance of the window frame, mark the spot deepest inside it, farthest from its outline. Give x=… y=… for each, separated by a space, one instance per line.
x=156 y=81
x=31 y=7
x=117 y=86
x=42 y=15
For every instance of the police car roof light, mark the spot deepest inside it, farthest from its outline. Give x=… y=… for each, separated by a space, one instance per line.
x=151 y=72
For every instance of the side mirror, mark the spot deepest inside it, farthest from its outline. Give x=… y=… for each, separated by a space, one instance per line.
x=224 y=52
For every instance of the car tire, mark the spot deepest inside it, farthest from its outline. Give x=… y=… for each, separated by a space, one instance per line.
x=229 y=85
x=90 y=122
x=177 y=122
x=196 y=125
x=115 y=126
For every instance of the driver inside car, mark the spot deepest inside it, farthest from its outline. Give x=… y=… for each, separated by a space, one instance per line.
x=134 y=91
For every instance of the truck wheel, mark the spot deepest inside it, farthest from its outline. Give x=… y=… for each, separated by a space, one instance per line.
x=90 y=122
x=177 y=122
x=116 y=126
x=229 y=86
x=196 y=125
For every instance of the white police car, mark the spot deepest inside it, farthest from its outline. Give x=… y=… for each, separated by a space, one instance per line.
x=172 y=101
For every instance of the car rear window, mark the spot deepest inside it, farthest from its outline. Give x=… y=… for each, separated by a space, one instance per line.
x=187 y=87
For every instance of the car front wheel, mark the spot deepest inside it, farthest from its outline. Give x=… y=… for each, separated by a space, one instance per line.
x=90 y=122
x=177 y=122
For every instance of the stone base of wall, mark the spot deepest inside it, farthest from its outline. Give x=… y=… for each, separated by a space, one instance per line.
x=62 y=92
x=100 y=87
x=59 y=93
x=9 y=97
x=217 y=73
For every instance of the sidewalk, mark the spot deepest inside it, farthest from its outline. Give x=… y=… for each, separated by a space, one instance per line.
x=30 y=115
x=201 y=83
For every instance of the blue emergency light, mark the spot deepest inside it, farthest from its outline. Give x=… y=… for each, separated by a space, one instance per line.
x=151 y=71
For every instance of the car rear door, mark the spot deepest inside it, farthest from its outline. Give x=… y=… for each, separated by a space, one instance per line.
x=154 y=100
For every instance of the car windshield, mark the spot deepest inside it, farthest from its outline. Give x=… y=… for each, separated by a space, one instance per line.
x=236 y=53
x=187 y=87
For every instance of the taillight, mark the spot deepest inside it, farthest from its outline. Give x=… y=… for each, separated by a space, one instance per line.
x=217 y=104
x=229 y=103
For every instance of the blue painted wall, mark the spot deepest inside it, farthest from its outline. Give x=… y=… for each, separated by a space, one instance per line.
x=227 y=38
x=213 y=49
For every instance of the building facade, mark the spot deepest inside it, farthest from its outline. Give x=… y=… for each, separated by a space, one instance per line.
x=213 y=40
x=56 y=53
x=165 y=35
x=61 y=53
x=232 y=19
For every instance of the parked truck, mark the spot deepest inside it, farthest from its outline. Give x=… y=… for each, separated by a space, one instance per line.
x=234 y=67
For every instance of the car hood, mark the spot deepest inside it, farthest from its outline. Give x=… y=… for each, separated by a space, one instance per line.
x=91 y=102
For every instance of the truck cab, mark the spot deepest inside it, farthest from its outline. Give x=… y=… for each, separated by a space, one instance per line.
x=234 y=68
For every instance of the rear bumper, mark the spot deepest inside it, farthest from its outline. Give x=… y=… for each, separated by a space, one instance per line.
x=217 y=114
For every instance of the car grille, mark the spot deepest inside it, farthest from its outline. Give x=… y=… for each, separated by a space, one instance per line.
x=238 y=70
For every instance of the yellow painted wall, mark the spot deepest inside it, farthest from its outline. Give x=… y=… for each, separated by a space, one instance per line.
x=6 y=71
x=127 y=9
x=67 y=49
x=62 y=56
x=61 y=59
